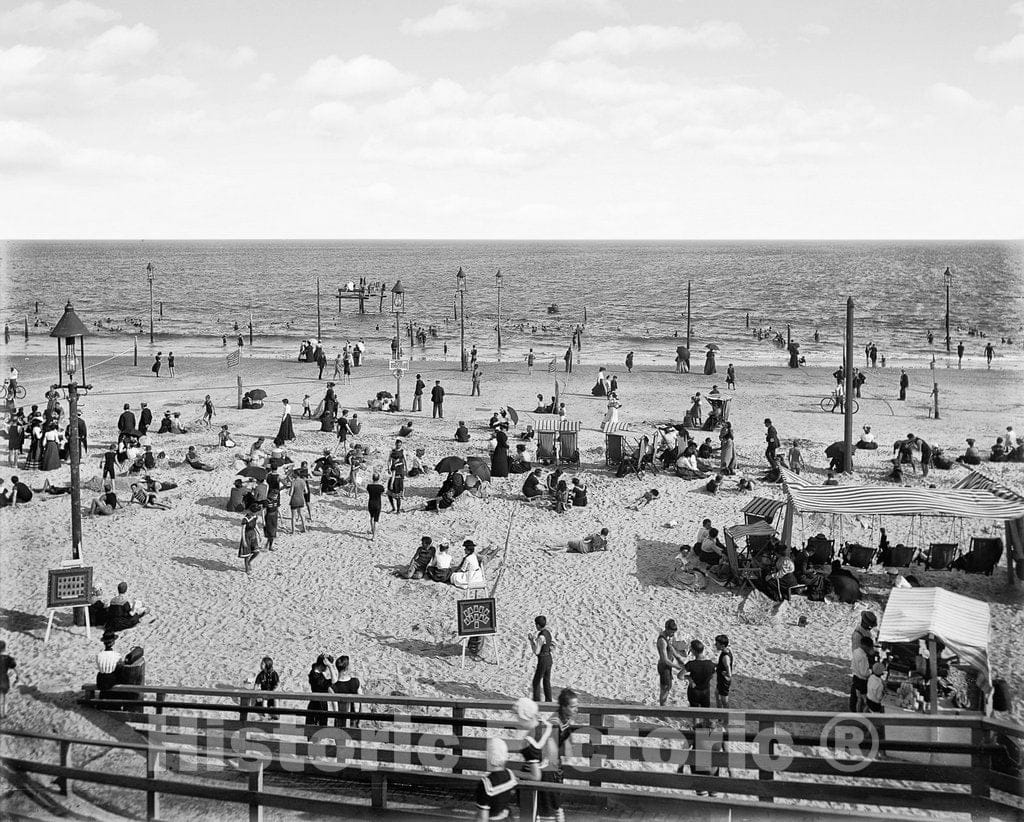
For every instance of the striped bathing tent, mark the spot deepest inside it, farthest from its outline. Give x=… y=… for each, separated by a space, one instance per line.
x=974 y=502
x=961 y=623
x=762 y=508
x=557 y=439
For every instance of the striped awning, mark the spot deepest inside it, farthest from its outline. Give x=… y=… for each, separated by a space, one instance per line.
x=962 y=623
x=620 y=428
x=550 y=423
x=763 y=507
x=754 y=529
x=896 y=500
x=980 y=481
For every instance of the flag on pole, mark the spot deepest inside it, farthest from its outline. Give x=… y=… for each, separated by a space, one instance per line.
x=552 y=366
x=233 y=359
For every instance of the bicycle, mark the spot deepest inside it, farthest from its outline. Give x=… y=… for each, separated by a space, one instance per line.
x=18 y=393
x=834 y=401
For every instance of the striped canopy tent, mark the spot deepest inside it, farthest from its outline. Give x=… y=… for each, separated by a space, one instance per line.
x=763 y=508
x=899 y=501
x=960 y=623
x=555 y=424
x=760 y=528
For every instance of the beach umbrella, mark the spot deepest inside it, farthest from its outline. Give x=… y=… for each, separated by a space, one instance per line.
x=712 y=347
x=512 y=414
x=449 y=464
x=258 y=394
x=256 y=472
x=480 y=467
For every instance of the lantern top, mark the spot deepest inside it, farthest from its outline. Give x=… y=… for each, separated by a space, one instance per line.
x=948 y=275
x=69 y=325
x=397 y=288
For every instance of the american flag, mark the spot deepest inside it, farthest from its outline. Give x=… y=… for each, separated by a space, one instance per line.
x=552 y=366
x=233 y=359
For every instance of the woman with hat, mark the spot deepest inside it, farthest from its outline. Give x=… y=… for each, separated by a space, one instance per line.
x=249 y=545
x=469 y=574
x=131 y=671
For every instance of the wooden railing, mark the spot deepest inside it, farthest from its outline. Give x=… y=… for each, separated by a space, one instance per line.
x=784 y=761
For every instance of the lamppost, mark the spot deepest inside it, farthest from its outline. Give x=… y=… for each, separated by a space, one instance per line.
x=460 y=285
x=70 y=331
x=398 y=308
x=948 y=277
x=149 y=275
x=497 y=282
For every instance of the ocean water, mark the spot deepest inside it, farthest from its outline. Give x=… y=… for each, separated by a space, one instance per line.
x=634 y=295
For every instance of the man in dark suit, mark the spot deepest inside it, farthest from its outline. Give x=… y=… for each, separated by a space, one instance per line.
x=437 y=398
x=417 y=394
x=126 y=422
x=145 y=418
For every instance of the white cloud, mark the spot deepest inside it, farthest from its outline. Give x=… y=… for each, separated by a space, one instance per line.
x=623 y=41
x=1010 y=51
x=120 y=45
x=174 y=86
x=26 y=148
x=242 y=56
x=334 y=77
x=20 y=64
x=333 y=116
x=266 y=81
x=479 y=15
x=184 y=124
x=954 y=97
x=61 y=18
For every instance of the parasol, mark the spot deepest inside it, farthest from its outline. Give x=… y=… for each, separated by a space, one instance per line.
x=481 y=468
x=255 y=471
x=512 y=414
x=258 y=394
x=449 y=464
x=712 y=347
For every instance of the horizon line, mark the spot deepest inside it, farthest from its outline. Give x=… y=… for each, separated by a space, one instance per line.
x=523 y=239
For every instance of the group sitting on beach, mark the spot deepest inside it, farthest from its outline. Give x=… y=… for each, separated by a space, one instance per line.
x=435 y=563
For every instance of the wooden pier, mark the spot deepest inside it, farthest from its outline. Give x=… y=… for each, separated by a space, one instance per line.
x=364 y=291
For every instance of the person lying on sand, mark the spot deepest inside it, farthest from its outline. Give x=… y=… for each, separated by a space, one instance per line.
x=588 y=545
x=147 y=499
x=193 y=461
x=644 y=500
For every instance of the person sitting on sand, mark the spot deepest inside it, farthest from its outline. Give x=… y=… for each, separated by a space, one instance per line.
x=830 y=478
x=588 y=545
x=578 y=493
x=551 y=483
x=867 y=440
x=528 y=434
x=784 y=576
x=998 y=453
x=498 y=421
x=469 y=574
x=439 y=569
x=844 y=583
x=711 y=552
x=561 y=497
x=451 y=489
x=421 y=559
x=176 y=426
x=462 y=432
x=329 y=472
x=972 y=456
x=686 y=465
x=104 y=504
x=257 y=456
x=713 y=484
x=644 y=500
x=519 y=463
x=165 y=424
x=122 y=612
x=236 y=498
x=532 y=486
x=416 y=466
x=405 y=429
x=225 y=438
x=193 y=461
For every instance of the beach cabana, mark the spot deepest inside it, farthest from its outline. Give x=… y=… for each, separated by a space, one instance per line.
x=756 y=534
x=557 y=439
x=960 y=623
x=900 y=501
x=614 y=433
x=763 y=509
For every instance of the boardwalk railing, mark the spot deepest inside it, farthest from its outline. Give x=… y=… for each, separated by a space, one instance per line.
x=785 y=761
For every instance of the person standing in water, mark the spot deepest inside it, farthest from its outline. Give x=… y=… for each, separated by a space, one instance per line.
x=156 y=363
x=170 y=363
x=629 y=362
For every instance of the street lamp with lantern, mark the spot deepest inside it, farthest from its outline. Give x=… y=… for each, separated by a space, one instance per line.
x=948 y=277
x=398 y=309
x=70 y=334
x=498 y=283
x=149 y=275
x=460 y=285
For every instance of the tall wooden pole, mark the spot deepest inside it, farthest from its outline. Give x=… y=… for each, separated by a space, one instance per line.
x=462 y=327
x=947 y=277
x=319 y=331
x=149 y=273
x=499 y=315
x=398 y=364
x=848 y=404
x=76 y=460
x=688 y=314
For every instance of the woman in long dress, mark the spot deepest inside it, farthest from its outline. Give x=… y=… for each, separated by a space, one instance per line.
x=499 y=459
x=728 y=457
x=611 y=416
x=285 y=432
x=709 y=363
x=375 y=493
x=249 y=544
x=50 y=460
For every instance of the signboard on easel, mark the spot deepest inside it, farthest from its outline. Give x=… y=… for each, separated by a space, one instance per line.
x=476 y=618
x=69 y=587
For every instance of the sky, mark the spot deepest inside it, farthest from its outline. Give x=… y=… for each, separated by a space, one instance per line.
x=512 y=119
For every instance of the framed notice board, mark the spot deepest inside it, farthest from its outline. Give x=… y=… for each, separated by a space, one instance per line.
x=476 y=617
x=68 y=587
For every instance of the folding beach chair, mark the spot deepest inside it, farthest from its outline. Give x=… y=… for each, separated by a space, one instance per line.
x=820 y=551
x=568 y=450
x=941 y=556
x=859 y=556
x=547 y=446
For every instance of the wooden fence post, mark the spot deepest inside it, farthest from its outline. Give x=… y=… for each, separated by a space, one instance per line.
x=766 y=748
x=152 y=797
x=65 y=760
x=527 y=804
x=981 y=763
x=238 y=378
x=378 y=790
x=597 y=723
x=159 y=709
x=256 y=786
x=458 y=712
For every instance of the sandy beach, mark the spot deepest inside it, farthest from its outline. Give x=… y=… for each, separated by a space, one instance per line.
x=331 y=589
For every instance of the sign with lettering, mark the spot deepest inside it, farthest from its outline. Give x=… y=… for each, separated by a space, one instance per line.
x=68 y=587
x=476 y=617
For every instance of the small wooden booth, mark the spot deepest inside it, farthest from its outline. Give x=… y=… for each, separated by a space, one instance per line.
x=614 y=434
x=557 y=439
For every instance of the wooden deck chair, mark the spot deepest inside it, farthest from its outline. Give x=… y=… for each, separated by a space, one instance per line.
x=940 y=556
x=820 y=551
x=547 y=446
x=568 y=450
